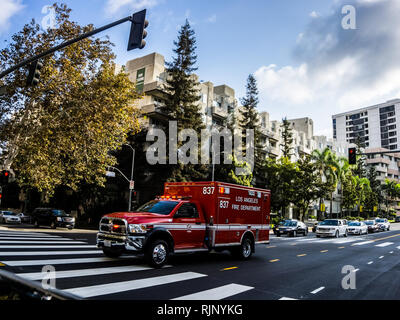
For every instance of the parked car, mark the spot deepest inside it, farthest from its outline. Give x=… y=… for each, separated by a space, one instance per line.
x=24 y=217
x=276 y=226
x=314 y=228
x=383 y=224
x=372 y=226
x=397 y=219
x=292 y=228
x=9 y=217
x=52 y=217
x=357 y=227
x=332 y=228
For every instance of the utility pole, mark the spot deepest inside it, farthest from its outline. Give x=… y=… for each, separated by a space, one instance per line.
x=131 y=183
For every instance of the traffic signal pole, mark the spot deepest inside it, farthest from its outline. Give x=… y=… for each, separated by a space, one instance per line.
x=66 y=44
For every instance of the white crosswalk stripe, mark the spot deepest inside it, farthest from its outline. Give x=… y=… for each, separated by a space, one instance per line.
x=47 y=253
x=21 y=263
x=85 y=246
x=385 y=244
x=44 y=242
x=217 y=293
x=363 y=243
x=34 y=238
x=117 y=287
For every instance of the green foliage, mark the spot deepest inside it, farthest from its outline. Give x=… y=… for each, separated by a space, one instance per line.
x=61 y=131
x=287 y=137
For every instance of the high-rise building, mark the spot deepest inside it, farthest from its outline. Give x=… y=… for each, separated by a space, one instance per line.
x=374 y=127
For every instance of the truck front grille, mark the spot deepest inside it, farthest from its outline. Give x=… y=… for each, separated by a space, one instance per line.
x=113 y=226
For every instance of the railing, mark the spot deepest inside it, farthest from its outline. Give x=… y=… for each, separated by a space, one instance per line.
x=32 y=290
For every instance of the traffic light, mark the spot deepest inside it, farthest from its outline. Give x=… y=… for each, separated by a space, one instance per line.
x=352 y=156
x=34 y=73
x=4 y=176
x=138 y=32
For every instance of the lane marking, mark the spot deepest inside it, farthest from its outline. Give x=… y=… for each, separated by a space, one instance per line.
x=396 y=235
x=269 y=247
x=47 y=253
x=301 y=255
x=231 y=268
x=275 y=260
x=391 y=252
x=381 y=257
x=33 y=238
x=2 y=264
x=85 y=272
x=382 y=245
x=371 y=262
x=217 y=293
x=355 y=270
x=323 y=251
x=362 y=243
x=317 y=290
x=20 y=263
x=286 y=298
x=43 y=242
x=341 y=247
x=76 y=246
x=116 y=287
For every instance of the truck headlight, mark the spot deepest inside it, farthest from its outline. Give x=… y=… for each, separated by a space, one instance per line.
x=59 y=219
x=137 y=228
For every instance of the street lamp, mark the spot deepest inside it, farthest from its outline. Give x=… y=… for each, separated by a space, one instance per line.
x=131 y=184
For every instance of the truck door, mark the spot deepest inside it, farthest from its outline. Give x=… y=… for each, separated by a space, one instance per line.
x=190 y=227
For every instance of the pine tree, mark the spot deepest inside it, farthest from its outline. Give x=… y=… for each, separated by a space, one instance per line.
x=182 y=103
x=250 y=121
x=182 y=99
x=287 y=137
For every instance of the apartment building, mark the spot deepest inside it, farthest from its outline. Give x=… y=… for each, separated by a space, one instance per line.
x=375 y=126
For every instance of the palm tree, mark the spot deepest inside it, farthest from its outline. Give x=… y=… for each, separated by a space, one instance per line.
x=342 y=169
x=392 y=190
x=326 y=163
x=362 y=187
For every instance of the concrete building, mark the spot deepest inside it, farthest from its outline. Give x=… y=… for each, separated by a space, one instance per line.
x=375 y=126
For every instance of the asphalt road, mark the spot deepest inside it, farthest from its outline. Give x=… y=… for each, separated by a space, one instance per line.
x=304 y=268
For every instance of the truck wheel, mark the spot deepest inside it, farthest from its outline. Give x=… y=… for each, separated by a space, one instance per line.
x=243 y=252
x=157 y=253
x=110 y=253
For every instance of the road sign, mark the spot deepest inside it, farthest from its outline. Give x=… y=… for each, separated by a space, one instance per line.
x=131 y=185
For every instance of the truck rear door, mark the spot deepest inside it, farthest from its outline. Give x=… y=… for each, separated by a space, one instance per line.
x=189 y=227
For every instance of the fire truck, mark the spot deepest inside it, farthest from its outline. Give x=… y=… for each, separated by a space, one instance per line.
x=190 y=217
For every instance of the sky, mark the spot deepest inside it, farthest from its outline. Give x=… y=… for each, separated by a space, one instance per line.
x=306 y=64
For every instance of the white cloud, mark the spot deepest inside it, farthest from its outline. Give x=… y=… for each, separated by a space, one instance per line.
x=337 y=70
x=314 y=14
x=8 y=9
x=114 y=6
x=212 y=19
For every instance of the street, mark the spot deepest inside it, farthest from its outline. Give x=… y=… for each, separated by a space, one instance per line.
x=303 y=268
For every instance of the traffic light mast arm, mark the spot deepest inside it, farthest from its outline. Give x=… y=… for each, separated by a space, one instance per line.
x=63 y=45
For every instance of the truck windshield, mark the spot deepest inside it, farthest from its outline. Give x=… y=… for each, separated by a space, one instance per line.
x=158 y=207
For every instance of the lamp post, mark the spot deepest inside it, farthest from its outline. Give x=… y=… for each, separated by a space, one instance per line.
x=130 y=186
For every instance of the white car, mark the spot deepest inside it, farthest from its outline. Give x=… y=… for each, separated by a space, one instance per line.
x=9 y=217
x=331 y=228
x=383 y=224
x=356 y=227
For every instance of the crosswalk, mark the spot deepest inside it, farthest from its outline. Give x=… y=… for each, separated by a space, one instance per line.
x=82 y=269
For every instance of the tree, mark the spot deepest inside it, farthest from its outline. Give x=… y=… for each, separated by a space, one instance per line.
x=349 y=199
x=287 y=138
x=360 y=168
x=249 y=120
x=60 y=132
x=376 y=187
x=182 y=99
x=308 y=185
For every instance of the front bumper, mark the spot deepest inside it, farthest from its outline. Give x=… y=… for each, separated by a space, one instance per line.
x=125 y=243
x=326 y=233
x=7 y=221
x=354 y=231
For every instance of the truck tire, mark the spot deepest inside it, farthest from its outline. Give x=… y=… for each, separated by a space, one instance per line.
x=110 y=253
x=157 y=253
x=244 y=251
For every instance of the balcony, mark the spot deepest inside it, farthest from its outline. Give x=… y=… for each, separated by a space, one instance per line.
x=154 y=110
x=153 y=87
x=219 y=112
x=378 y=160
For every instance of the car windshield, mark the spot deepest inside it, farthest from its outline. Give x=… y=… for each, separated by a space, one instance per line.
x=58 y=213
x=355 y=224
x=158 y=207
x=370 y=223
x=329 y=223
x=9 y=213
x=380 y=220
x=290 y=224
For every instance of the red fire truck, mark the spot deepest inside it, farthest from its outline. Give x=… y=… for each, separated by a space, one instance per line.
x=190 y=217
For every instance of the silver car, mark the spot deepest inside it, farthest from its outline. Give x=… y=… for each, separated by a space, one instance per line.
x=9 y=217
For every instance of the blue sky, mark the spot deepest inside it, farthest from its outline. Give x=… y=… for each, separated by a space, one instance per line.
x=304 y=63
